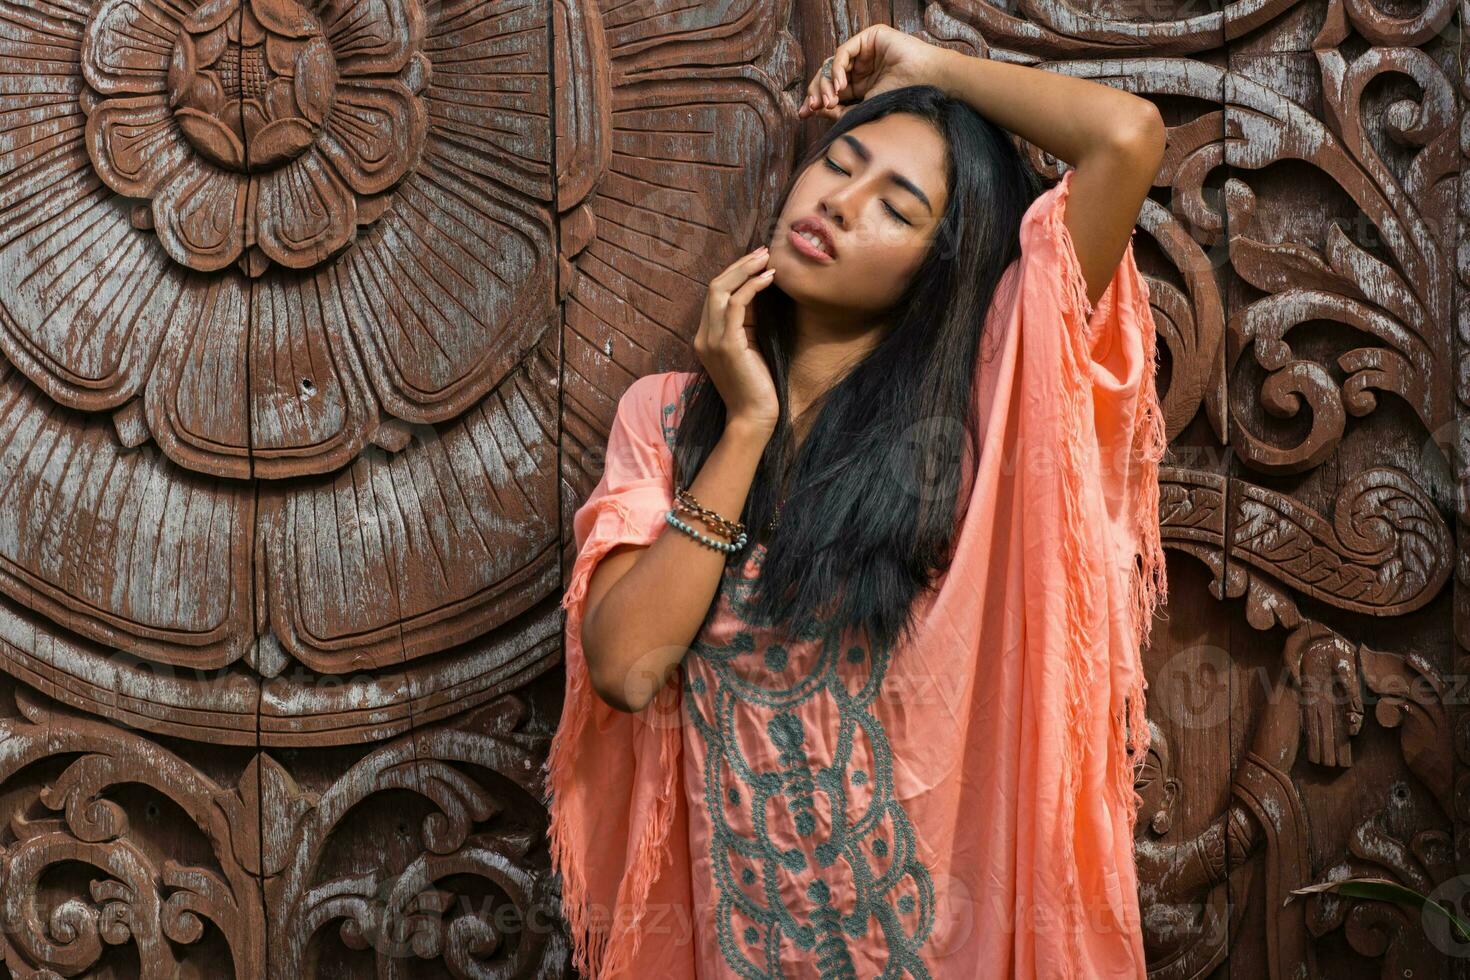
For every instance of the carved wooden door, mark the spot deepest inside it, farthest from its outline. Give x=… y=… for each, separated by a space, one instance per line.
x=314 y=314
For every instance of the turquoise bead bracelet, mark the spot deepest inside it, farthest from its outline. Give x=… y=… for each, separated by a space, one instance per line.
x=726 y=546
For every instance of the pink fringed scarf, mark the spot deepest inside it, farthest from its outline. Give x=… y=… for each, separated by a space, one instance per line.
x=1047 y=607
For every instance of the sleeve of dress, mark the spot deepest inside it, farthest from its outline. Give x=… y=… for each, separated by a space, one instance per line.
x=1089 y=438
x=1092 y=406
x=612 y=777
x=628 y=504
x=1115 y=343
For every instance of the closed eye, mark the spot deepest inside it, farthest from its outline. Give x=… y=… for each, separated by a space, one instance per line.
x=832 y=165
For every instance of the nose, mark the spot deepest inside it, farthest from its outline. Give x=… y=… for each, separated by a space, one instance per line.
x=839 y=203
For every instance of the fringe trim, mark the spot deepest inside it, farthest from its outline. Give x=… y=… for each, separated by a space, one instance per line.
x=1147 y=580
x=589 y=945
x=1081 y=597
x=600 y=950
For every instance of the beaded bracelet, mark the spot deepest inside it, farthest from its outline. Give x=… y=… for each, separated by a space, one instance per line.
x=727 y=547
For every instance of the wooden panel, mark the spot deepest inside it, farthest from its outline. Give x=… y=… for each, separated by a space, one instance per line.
x=1340 y=371
x=313 y=317
x=281 y=383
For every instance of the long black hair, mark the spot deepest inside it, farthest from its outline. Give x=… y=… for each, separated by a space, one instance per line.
x=873 y=495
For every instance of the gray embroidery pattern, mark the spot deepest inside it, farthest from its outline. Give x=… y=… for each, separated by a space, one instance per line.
x=866 y=845
x=874 y=848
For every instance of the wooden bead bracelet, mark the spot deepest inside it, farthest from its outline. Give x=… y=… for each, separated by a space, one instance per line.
x=684 y=501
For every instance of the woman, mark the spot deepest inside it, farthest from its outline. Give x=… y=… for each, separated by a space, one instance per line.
x=853 y=674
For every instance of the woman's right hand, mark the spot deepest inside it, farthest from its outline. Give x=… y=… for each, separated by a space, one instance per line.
x=725 y=342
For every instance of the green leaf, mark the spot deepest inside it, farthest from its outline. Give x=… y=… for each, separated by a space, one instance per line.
x=1384 y=890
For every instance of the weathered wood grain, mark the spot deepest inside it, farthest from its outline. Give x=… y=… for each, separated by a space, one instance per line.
x=409 y=553
x=313 y=316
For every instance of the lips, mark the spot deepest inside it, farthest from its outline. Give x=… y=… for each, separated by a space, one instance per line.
x=804 y=229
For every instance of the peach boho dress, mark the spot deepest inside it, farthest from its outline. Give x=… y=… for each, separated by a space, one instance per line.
x=961 y=807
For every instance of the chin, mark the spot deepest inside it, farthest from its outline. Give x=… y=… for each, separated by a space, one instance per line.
x=829 y=296
x=795 y=280
x=791 y=283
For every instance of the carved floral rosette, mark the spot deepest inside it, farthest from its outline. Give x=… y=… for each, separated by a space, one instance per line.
x=256 y=133
x=274 y=233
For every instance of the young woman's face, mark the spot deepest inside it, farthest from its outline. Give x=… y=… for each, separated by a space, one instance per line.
x=877 y=198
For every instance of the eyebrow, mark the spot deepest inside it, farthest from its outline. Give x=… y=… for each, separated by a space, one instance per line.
x=899 y=179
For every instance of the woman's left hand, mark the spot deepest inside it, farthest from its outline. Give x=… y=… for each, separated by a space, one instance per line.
x=874 y=60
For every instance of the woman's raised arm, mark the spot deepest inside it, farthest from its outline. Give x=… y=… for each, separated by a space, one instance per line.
x=1114 y=139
